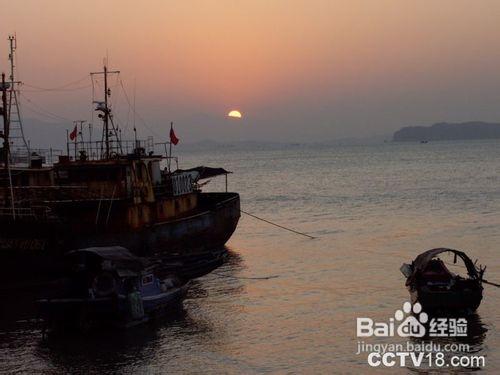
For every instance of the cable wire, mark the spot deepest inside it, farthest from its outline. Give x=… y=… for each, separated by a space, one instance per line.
x=64 y=87
x=40 y=108
x=135 y=112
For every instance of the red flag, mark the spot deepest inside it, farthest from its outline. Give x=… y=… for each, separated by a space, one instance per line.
x=73 y=134
x=173 y=138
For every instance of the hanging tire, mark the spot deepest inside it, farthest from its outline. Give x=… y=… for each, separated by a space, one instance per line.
x=104 y=284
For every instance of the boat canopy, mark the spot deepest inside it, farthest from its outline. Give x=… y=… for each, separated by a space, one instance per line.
x=115 y=258
x=421 y=261
x=205 y=172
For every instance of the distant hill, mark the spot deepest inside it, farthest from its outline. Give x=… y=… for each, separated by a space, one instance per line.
x=444 y=131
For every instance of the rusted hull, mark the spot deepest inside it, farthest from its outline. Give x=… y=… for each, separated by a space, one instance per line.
x=36 y=248
x=210 y=228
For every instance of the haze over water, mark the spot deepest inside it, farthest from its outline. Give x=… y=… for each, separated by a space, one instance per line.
x=299 y=70
x=371 y=207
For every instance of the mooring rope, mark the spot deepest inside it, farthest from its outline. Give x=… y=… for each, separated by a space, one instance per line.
x=246 y=278
x=483 y=280
x=490 y=283
x=277 y=225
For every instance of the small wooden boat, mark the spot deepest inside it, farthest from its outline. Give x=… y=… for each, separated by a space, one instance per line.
x=436 y=288
x=109 y=285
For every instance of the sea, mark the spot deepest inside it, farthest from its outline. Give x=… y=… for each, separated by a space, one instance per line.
x=285 y=303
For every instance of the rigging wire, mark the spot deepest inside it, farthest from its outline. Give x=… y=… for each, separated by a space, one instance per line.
x=33 y=110
x=94 y=84
x=58 y=90
x=135 y=112
x=114 y=103
x=40 y=109
x=64 y=87
x=117 y=103
x=92 y=103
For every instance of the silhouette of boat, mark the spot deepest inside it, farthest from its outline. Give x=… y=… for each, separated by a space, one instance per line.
x=109 y=285
x=110 y=192
x=436 y=288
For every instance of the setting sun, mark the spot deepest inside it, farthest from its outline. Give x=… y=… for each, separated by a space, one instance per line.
x=235 y=114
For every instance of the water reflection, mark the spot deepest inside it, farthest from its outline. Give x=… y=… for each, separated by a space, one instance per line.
x=116 y=349
x=142 y=347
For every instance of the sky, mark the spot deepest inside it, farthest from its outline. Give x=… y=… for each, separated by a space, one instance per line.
x=299 y=71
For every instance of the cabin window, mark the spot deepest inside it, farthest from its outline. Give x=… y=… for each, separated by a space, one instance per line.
x=147 y=280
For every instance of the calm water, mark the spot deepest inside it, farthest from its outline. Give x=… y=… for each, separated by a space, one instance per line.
x=371 y=207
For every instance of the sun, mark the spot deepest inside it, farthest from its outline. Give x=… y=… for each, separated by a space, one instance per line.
x=234 y=114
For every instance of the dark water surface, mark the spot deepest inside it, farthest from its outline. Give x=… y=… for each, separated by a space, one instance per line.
x=371 y=207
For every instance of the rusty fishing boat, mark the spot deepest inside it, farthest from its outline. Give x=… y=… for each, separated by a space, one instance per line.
x=108 y=192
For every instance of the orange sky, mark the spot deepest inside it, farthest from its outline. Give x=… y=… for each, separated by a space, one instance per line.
x=343 y=67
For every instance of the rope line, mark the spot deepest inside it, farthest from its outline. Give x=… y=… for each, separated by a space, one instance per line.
x=483 y=280
x=277 y=225
x=246 y=278
x=490 y=283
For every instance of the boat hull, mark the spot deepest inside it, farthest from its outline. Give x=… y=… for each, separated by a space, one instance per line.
x=449 y=301
x=84 y=313
x=207 y=229
x=34 y=249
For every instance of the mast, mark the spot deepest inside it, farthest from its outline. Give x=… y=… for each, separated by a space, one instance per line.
x=6 y=145
x=13 y=45
x=16 y=138
x=104 y=108
x=5 y=117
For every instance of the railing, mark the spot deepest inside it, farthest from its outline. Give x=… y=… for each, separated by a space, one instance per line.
x=36 y=212
x=96 y=150
x=47 y=156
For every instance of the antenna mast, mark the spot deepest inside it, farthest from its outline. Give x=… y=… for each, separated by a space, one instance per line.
x=16 y=137
x=5 y=135
x=104 y=108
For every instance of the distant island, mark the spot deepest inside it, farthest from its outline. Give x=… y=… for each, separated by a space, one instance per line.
x=444 y=131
